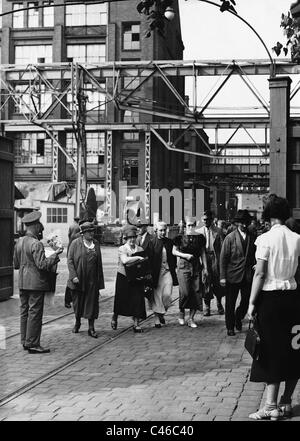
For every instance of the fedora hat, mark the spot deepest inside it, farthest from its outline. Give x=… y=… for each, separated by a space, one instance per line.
x=87 y=226
x=243 y=216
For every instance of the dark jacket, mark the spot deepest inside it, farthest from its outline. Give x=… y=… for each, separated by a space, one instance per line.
x=34 y=268
x=154 y=250
x=145 y=244
x=235 y=263
x=77 y=262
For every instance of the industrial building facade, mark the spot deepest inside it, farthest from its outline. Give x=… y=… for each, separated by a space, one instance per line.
x=88 y=34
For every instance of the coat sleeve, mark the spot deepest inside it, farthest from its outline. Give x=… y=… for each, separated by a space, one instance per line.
x=70 y=261
x=224 y=257
x=42 y=262
x=100 y=269
x=17 y=256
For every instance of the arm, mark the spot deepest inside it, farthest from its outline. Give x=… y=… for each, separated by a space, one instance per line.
x=224 y=258
x=128 y=259
x=257 y=284
x=16 y=257
x=71 y=265
x=178 y=253
x=42 y=262
x=204 y=261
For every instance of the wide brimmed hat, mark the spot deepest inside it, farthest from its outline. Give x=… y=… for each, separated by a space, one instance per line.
x=243 y=216
x=32 y=218
x=87 y=226
x=129 y=231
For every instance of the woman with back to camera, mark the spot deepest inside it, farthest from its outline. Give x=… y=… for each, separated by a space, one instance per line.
x=275 y=299
x=129 y=296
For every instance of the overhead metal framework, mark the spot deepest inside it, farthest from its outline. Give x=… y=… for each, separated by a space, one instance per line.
x=48 y=97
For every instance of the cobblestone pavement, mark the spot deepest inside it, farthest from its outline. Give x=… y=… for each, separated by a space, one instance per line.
x=170 y=374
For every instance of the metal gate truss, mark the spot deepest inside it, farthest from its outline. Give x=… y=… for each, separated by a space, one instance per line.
x=108 y=198
x=60 y=82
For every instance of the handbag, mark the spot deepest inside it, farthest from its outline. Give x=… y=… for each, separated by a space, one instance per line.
x=252 y=341
x=137 y=271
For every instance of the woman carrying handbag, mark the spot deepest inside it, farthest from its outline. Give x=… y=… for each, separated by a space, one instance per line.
x=275 y=298
x=129 y=295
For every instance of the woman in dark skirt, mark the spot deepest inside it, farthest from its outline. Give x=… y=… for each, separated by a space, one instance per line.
x=190 y=248
x=85 y=277
x=129 y=296
x=275 y=300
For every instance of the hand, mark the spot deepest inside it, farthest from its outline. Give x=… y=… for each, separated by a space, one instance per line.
x=75 y=280
x=223 y=282
x=59 y=250
x=189 y=257
x=204 y=273
x=251 y=311
x=140 y=257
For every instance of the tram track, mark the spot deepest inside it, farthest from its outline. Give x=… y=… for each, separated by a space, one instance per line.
x=41 y=379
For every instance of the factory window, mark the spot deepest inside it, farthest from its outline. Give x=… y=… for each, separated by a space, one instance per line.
x=31 y=54
x=48 y=14
x=86 y=15
x=130 y=169
x=86 y=53
x=27 y=99
x=18 y=17
x=33 y=16
x=33 y=149
x=95 y=147
x=57 y=215
x=131 y=37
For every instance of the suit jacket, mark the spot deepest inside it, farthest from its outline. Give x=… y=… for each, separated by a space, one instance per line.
x=154 y=249
x=77 y=264
x=217 y=236
x=235 y=264
x=145 y=244
x=34 y=268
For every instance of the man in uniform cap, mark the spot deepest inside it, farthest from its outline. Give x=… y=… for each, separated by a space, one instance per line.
x=30 y=260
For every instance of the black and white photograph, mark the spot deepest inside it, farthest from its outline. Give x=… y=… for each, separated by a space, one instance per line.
x=149 y=214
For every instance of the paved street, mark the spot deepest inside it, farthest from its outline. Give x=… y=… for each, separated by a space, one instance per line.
x=170 y=374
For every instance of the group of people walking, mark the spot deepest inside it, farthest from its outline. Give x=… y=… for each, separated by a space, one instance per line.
x=205 y=263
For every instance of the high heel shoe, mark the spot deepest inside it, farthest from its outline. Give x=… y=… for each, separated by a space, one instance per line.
x=76 y=328
x=92 y=333
x=137 y=329
x=114 y=324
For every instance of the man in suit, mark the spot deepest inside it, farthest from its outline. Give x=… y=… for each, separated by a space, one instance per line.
x=144 y=237
x=33 y=266
x=214 y=239
x=236 y=270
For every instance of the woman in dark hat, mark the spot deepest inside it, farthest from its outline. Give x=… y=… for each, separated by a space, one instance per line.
x=129 y=296
x=275 y=300
x=85 y=277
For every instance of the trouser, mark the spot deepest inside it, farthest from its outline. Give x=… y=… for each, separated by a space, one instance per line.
x=232 y=290
x=31 y=309
x=213 y=281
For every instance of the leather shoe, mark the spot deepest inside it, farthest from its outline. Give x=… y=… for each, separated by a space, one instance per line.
x=206 y=313
x=238 y=325
x=76 y=328
x=92 y=333
x=38 y=350
x=230 y=332
x=137 y=329
x=162 y=319
x=68 y=305
x=25 y=347
x=114 y=324
x=157 y=325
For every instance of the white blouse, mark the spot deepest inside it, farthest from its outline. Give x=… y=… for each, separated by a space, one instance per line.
x=280 y=247
x=126 y=251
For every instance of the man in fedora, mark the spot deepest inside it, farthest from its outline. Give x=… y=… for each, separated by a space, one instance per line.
x=33 y=266
x=236 y=270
